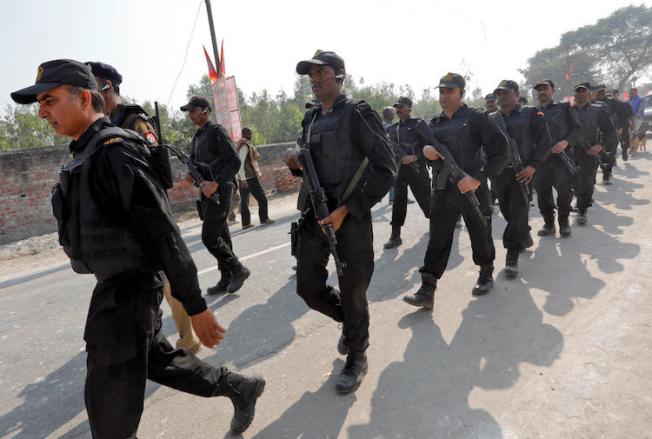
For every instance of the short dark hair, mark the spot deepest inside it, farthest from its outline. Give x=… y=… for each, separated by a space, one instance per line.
x=247 y=131
x=97 y=101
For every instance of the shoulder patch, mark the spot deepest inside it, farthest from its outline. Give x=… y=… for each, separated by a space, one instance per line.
x=150 y=137
x=111 y=140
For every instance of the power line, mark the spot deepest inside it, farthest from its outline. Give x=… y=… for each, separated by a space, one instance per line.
x=185 y=58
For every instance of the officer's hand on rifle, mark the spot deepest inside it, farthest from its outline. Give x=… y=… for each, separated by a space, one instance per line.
x=559 y=147
x=336 y=218
x=208 y=188
x=431 y=153
x=467 y=184
x=594 y=150
x=291 y=157
x=526 y=175
x=210 y=332
x=409 y=159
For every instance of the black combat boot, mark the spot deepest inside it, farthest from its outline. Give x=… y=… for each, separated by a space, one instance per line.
x=564 y=226
x=606 y=178
x=395 y=239
x=353 y=373
x=625 y=155
x=221 y=286
x=239 y=274
x=511 y=263
x=425 y=295
x=243 y=392
x=548 y=226
x=528 y=242
x=581 y=217
x=485 y=281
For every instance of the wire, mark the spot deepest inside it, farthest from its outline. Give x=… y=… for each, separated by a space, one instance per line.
x=185 y=58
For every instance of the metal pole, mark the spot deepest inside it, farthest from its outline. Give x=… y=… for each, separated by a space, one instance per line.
x=213 y=40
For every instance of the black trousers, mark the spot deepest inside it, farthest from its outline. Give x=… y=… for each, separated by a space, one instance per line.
x=446 y=206
x=215 y=230
x=553 y=174
x=253 y=188
x=585 y=180
x=418 y=179
x=515 y=209
x=624 y=137
x=610 y=161
x=355 y=249
x=126 y=347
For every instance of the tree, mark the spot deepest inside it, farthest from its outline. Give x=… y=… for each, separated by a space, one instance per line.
x=22 y=128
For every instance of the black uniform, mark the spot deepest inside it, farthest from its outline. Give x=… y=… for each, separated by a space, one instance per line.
x=214 y=154
x=528 y=127
x=466 y=134
x=596 y=129
x=339 y=141
x=609 y=159
x=405 y=141
x=564 y=125
x=115 y=221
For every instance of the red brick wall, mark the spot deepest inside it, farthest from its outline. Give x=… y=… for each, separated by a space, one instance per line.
x=27 y=177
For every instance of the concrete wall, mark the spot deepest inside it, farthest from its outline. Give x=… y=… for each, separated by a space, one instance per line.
x=27 y=177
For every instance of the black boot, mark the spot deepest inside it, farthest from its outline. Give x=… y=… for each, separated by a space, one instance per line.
x=511 y=263
x=353 y=373
x=528 y=242
x=243 y=392
x=581 y=217
x=238 y=276
x=606 y=178
x=221 y=286
x=548 y=226
x=395 y=239
x=485 y=281
x=564 y=226
x=342 y=348
x=425 y=295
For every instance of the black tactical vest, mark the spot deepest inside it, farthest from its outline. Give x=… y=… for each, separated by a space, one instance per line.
x=589 y=115
x=331 y=147
x=556 y=116
x=96 y=242
x=518 y=128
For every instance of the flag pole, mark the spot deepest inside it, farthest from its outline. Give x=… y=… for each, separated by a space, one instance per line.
x=213 y=40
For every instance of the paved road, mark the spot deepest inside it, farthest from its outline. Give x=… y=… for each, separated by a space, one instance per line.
x=564 y=351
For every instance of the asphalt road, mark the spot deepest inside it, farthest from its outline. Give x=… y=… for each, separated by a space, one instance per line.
x=563 y=351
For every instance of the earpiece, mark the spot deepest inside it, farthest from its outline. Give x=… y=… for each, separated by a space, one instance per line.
x=105 y=87
x=340 y=76
x=204 y=111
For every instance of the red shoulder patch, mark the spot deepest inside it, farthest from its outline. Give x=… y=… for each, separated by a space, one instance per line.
x=150 y=137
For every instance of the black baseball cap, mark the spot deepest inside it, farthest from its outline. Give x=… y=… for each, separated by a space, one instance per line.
x=403 y=101
x=586 y=85
x=600 y=87
x=452 y=80
x=196 y=101
x=52 y=74
x=547 y=82
x=321 y=58
x=507 y=84
x=105 y=71
x=490 y=97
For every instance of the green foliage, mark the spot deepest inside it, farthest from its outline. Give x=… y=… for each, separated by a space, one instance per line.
x=21 y=128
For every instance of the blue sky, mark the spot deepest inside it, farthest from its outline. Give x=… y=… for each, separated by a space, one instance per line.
x=412 y=42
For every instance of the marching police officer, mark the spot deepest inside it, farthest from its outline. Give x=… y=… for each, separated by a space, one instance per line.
x=214 y=155
x=342 y=137
x=412 y=171
x=599 y=97
x=598 y=136
x=134 y=118
x=115 y=222
x=527 y=127
x=466 y=132
x=565 y=132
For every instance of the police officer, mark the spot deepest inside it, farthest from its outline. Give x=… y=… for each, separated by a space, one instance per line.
x=215 y=156
x=340 y=134
x=134 y=118
x=598 y=135
x=465 y=131
x=115 y=222
x=528 y=129
x=599 y=97
x=408 y=146
x=623 y=112
x=565 y=132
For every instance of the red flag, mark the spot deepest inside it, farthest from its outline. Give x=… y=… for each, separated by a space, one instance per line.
x=212 y=73
x=222 y=68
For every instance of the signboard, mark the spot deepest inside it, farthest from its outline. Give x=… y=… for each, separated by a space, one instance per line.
x=227 y=112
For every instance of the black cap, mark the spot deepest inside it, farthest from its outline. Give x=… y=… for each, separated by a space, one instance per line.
x=507 y=84
x=321 y=58
x=196 y=101
x=490 y=97
x=547 y=82
x=403 y=101
x=600 y=87
x=54 y=73
x=452 y=80
x=586 y=85
x=105 y=71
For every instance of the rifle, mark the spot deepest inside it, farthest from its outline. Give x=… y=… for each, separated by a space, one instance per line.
x=318 y=199
x=184 y=158
x=565 y=158
x=456 y=173
x=514 y=154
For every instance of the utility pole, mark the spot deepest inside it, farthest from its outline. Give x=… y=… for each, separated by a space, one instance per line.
x=213 y=40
